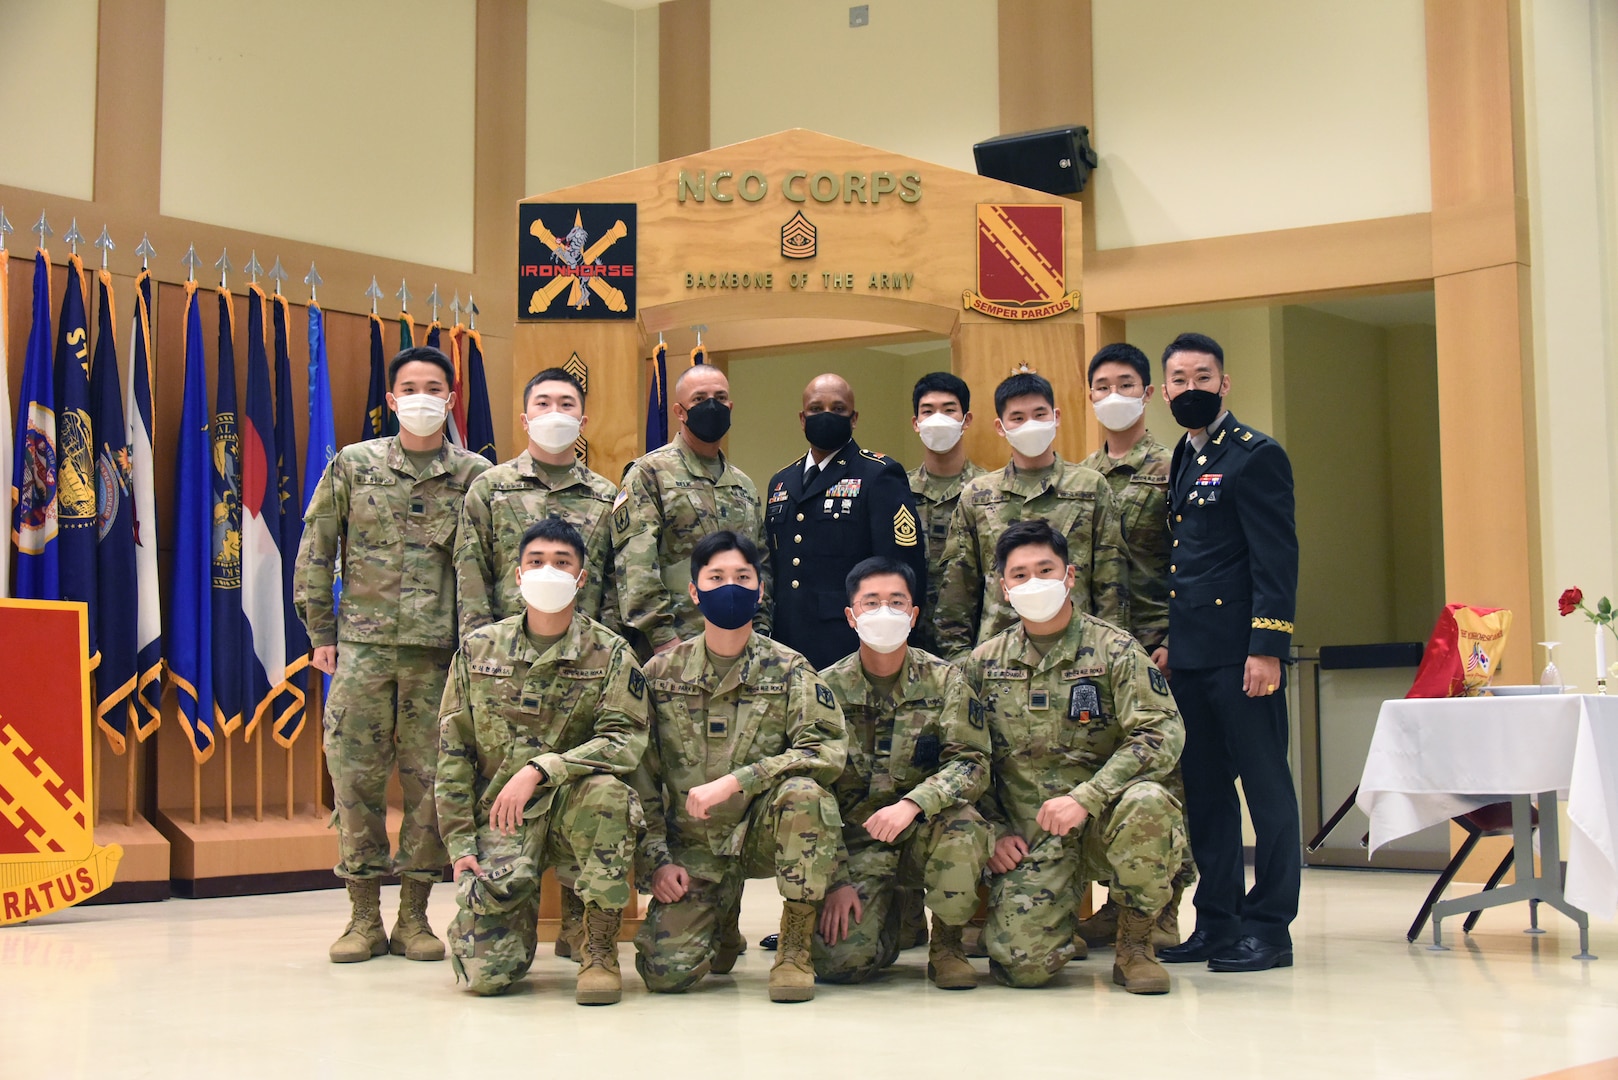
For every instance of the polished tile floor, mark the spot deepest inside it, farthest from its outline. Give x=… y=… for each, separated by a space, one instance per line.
x=241 y=988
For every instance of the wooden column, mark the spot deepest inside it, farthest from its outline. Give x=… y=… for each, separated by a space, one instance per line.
x=682 y=78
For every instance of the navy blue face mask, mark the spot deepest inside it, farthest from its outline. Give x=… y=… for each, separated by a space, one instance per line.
x=729 y=607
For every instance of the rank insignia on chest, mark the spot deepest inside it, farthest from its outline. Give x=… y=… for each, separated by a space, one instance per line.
x=718 y=729
x=1084 y=702
x=1039 y=699
x=417 y=506
x=884 y=745
x=499 y=872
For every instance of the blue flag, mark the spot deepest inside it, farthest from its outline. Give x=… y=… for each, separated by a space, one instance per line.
x=117 y=587
x=657 y=400
x=138 y=418
x=262 y=575
x=232 y=640
x=322 y=448
x=379 y=419
x=33 y=465
x=434 y=334
x=190 y=629
x=479 y=421
x=289 y=717
x=75 y=452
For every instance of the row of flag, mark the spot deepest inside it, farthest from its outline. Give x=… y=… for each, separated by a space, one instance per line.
x=470 y=424
x=657 y=392
x=81 y=502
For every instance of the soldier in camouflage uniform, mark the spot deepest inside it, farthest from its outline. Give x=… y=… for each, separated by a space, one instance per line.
x=918 y=758
x=746 y=738
x=1036 y=484
x=1137 y=470
x=544 y=713
x=1084 y=731
x=385 y=513
x=672 y=497
x=941 y=406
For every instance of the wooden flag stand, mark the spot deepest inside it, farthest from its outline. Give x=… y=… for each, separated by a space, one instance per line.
x=143 y=875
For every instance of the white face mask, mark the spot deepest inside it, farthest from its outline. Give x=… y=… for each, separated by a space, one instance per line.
x=1033 y=437
x=940 y=433
x=554 y=432
x=421 y=414
x=549 y=589
x=1039 y=599
x=1118 y=412
x=883 y=629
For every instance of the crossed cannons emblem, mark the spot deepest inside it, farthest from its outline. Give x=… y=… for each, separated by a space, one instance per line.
x=571 y=252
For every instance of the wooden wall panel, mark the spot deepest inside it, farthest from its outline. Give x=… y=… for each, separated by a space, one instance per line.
x=683 y=78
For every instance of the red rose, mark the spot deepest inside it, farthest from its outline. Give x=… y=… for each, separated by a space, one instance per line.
x=1570 y=601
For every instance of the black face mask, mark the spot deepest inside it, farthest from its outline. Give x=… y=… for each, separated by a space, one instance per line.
x=1196 y=409
x=708 y=420
x=828 y=431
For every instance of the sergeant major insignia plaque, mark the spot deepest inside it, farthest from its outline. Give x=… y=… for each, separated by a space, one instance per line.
x=1021 y=263
x=576 y=261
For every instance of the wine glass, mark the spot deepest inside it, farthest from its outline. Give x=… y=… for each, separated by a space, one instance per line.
x=1550 y=680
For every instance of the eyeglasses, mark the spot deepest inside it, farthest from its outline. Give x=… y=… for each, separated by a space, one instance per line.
x=871 y=603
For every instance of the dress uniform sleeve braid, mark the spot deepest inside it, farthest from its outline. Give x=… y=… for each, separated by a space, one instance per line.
x=318 y=555
x=963 y=772
x=475 y=581
x=1153 y=733
x=1264 y=508
x=817 y=745
x=618 y=740
x=454 y=788
x=960 y=594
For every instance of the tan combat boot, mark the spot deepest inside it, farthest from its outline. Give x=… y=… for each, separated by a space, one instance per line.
x=1100 y=929
x=364 y=937
x=1135 y=966
x=730 y=943
x=793 y=976
x=599 y=982
x=412 y=938
x=1166 y=929
x=569 y=935
x=947 y=965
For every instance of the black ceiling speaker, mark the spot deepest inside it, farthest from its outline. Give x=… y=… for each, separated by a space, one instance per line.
x=1057 y=160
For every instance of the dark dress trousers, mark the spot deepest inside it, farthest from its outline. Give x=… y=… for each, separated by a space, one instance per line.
x=857 y=505
x=1233 y=580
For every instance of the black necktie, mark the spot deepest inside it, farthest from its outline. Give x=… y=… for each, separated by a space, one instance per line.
x=810 y=474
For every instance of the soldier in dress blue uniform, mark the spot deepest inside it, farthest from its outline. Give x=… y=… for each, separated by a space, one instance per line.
x=1233 y=583
x=824 y=513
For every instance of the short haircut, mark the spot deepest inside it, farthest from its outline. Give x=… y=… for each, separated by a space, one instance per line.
x=1121 y=353
x=552 y=528
x=1193 y=343
x=875 y=566
x=552 y=374
x=723 y=540
x=1027 y=534
x=421 y=354
x=941 y=382
x=1021 y=385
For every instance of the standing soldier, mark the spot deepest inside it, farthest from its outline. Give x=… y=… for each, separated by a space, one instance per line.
x=833 y=508
x=544 y=712
x=673 y=497
x=385 y=512
x=746 y=738
x=1084 y=730
x=1137 y=470
x=918 y=758
x=941 y=405
x=1036 y=484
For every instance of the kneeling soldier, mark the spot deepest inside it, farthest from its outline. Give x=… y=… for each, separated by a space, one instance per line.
x=543 y=713
x=918 y=758
x=1084 y=731
x=745 y=740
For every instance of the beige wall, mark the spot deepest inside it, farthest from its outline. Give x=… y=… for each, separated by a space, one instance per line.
x=1249 y=340
x=1251 y=115
x=349 y=125
x=1414 y=489
x=921 y=79
x=47 y=103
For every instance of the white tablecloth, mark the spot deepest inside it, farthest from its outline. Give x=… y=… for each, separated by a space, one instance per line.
x=1432 y=759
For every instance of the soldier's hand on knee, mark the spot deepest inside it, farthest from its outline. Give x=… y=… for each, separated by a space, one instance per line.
x=887 y=823
x=325 y=659
x=670 y=883
x=1061 y=815
x=465 y=863
x=505 y=813
x=704 y=797
x=840 y=906
x=1008 y=852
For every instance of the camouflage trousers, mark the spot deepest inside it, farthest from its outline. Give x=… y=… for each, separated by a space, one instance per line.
x=1186 y=876
x=1138 y=843
x=589 y=830
x=383 y=712
x=945 y=855
x=790 y=833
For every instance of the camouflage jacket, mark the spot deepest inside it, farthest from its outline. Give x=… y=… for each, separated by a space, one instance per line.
x=499 y=506
x=1140 y=489
x=391 y=534
x=670 y=501
x=936 y=498
x=1077 y=503
x=770 y=718
x=577 y=710
x=929 y=746
x=1088 y=719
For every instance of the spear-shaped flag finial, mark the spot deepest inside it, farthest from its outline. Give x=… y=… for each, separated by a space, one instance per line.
x=42 y=229
x=278 y=274
x=104 y=242
x=455 y=307
x=253 y=268
x=73 y=238
x=312 y=279
x=374 y=292
x=403 y=295
x=5 y=227
x=191 y=262
x=472 y=309
x=145 y=251
x=222 y=264
x=432 y=298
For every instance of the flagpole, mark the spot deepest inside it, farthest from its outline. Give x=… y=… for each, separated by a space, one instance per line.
x=290 y=775
x=258 y=779
x=129 y=784
x=196 y=791
x=230 y=785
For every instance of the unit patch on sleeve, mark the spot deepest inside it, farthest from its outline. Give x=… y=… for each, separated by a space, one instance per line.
x=823 y=695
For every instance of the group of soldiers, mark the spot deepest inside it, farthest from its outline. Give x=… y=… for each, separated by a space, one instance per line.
x=883 y=690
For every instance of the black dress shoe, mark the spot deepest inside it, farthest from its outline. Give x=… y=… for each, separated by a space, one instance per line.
x=769 y=941
x=1251 y=954
x=1200 y=946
